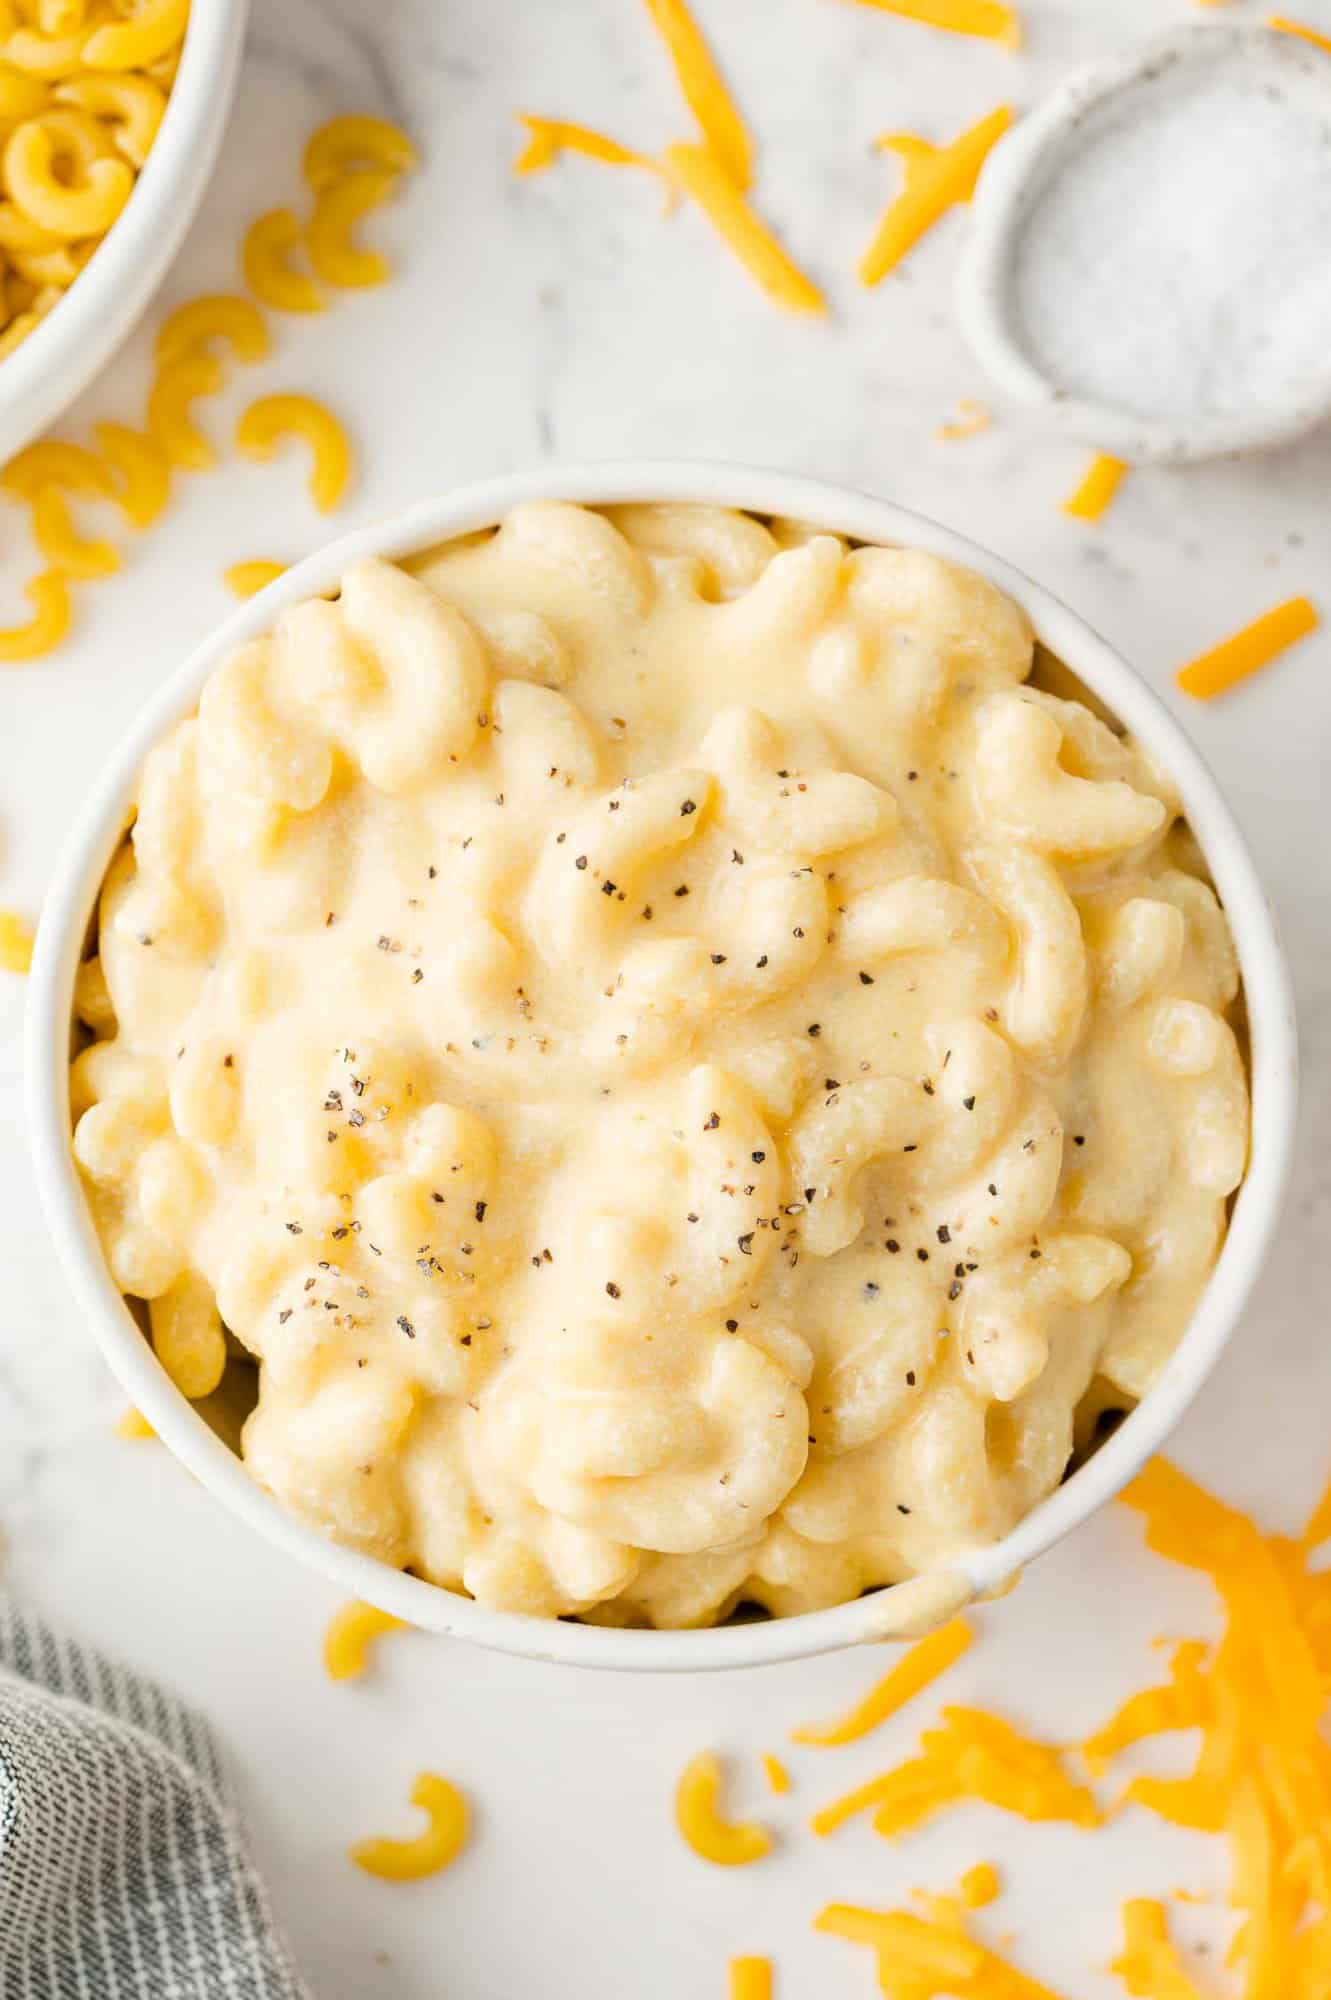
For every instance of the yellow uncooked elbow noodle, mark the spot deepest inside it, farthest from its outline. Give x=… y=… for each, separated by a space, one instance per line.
x=87 y=208
x=177 y=386
x=347 y=1640
x=937 y=178
x=912 y=1673
x=552 y=136
x=1097 y=487
x=1280 y=25
x=338 y=207
x=702 y=176
x=55 y=462
x=247 y=579
x=54 y=533
x=49 y=57
x=21 y=96
x=143 y=468
x=132 y=106
x=216 y=316
x=268 y=241
x=985 y=18
x=49 y=594
x=272 y=418
x=704 y=90
x=157 y=28
x=1254 y=647
x=750 y=1979
x=133 y=1424
x=778 y=1777
x=429 y=1852
x=355 y=141
x=15 y=942
x=728 y=1844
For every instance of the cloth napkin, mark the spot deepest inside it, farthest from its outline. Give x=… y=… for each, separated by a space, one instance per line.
x=123 y=1869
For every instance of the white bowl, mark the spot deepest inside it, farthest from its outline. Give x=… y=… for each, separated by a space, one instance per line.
x=1018 y=175
x=79 y=335
x=70 y=909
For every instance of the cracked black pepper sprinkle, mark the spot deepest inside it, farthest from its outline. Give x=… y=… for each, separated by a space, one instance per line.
x=944 y=1233
x=866 y=979
x=612 y=1288
x=406 y=1326
x=686 y=808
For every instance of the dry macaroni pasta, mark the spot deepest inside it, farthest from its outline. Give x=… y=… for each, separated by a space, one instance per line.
x=692 y=1073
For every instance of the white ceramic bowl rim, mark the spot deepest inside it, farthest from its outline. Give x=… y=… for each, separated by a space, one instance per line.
x=71 y=901
x=77 y=337
x=1013 y=179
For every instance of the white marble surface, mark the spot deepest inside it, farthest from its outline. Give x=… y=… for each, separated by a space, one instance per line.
x=563 y=317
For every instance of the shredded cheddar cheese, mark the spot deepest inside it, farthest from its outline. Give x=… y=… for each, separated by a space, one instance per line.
x=971 y=1755
x=731 y=1844
x=750 y=1979
x=924 y=1662
x=971 y=418
x=1148 y=1964
x=15 y=943
x=442 y=1842
x=702 y=176
x=937 y=178
x=984 y=18
x=351 y=1630
x=778 y=1777
x=1281 y=26
x=931 y=1957
x=1254 y=647
x=705 y=93
x=552 y=136
x=978 y=1887
x=1097 y=487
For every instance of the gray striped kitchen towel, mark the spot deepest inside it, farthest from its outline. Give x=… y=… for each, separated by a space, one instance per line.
x=123 y=1869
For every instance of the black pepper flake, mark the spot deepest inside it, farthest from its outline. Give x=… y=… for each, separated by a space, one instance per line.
x=910 y=1378
x=746 y=1244
x=406 y=1326
x=737 y=857
x=954 y=1289
x=480 y=1211
x=910 y=1149
x=339 y=1232
x=295 y=1228
x=866 y=979
x=580 y=861
x=992 y=1188
x=814 y=1028
x=732 y=1326
x=892 y=1245
x=944 y=1233
x=831 y=1083
x=683 y=889
x=1034 y=1255
x=612 y=1288
x=761 y=962
x=926 y=1086
x=355 y=1117
x=686 y=808
x=417 y=976
x=902 y=1508
x=968 y=1103
x=284 y=1316
x=757 y=1158
x=608 y=887
x=923 y=1255
x=712 y=1122
x=870 y=1290
x=718 y=958
x=432 y=872
x=1079 y=1139
x=797 y=932
x=809 y=1193
x=691 y=1216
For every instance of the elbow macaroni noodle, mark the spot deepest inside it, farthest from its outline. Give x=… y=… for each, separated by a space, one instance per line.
x=693 y=1075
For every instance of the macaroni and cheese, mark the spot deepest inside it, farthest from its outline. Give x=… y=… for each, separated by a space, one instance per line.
x=693 y=1066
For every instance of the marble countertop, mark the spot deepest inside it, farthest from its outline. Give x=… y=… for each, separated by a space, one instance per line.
x=564 y=317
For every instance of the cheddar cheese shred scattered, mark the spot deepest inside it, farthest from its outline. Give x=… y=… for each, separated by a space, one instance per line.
x=351 y=1631
x=970 y=1755
x=1148 y=1964
x=912 y=1673
x=931 y=1957
x=984 y=18
x=937 y=178
x=1099 y=483
x=705 y=93
x=750 y=1979
x=552 y=136
x=1249 y=650
x=778 y=1777
x=702 y=176
x=697 y=1814
x=15 y=943
x=979 y=1886
x=1280 y=25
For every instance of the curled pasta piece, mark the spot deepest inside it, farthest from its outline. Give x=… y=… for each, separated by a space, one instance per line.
x=133 y=1424
x=143 y=468
x=246 y=750
x=131 y=105
x=351 y=1631
x=429 y=1852
x=187 y=1336
x=733 y=548
x=50 y=57
x=155 y=31
x=335 y=257
x=269 y=274
x=1023 y=785
x=1008 y=1305
x=353 y=141
x=216 y=316
x=16 y=942
x=834 y=1140
x=729 y=1843
x=53 y=269
x=21 y=96
x=54 y=462
x=49 y=594
x=573 y=543
x=18 y=232
x=177 y=386
x=85 y=209
x=272 y=418
x=1045 y=1001
x=53 y=531
x=247 y=579
x=920 y=913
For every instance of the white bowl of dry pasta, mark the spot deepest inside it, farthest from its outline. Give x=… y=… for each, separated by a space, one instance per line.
x=660 y=1061
x=112 y=120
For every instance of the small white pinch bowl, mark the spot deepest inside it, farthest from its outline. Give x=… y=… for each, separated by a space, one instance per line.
x=1092 y=109
x=80 y=334
x=898 y=1610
